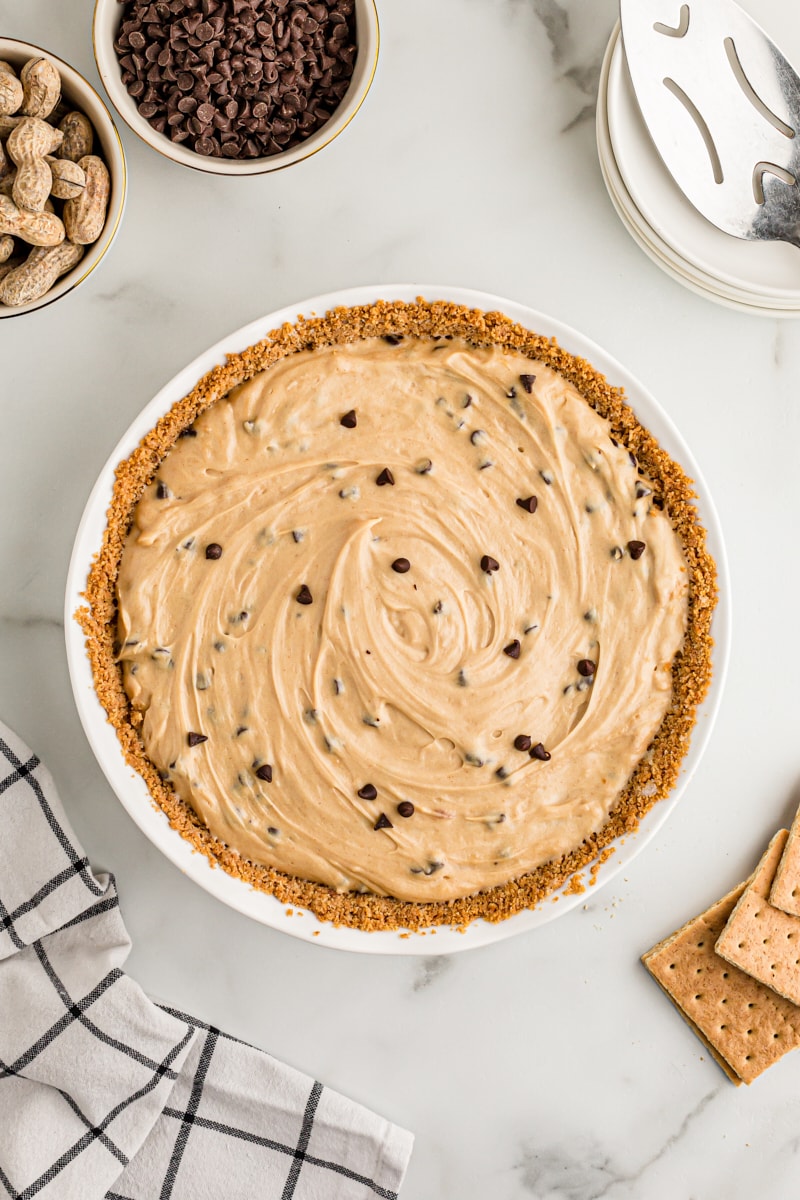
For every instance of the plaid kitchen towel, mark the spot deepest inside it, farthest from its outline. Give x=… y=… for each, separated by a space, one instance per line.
x=104 y=1093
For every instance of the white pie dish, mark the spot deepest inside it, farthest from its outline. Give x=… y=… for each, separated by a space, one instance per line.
x=131 y=789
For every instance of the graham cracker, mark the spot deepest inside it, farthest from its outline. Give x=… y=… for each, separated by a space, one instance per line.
x=744 y=1024
x=761 y=939
x=785 y=890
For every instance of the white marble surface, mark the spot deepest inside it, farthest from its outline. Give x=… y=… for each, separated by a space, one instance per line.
x=549 y=1065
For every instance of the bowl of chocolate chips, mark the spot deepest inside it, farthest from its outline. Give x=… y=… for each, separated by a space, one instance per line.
x=236 y=87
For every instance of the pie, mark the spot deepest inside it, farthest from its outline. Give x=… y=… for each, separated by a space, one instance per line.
x=402 y=615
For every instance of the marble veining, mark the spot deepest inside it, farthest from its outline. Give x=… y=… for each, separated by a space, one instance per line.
x=548 y=1066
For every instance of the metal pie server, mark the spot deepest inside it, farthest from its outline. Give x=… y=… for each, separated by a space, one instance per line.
x=722 y=105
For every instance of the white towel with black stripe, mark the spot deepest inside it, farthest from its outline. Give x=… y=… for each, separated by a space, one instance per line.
x=104 y=1093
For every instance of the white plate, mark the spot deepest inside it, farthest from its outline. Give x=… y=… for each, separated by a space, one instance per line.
x=661 y=251
x=767 y=270
x=130 y=788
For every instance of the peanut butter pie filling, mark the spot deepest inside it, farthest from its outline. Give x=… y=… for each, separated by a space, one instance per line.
x=404 y=619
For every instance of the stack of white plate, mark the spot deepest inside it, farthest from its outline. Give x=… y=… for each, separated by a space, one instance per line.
x=755 y=277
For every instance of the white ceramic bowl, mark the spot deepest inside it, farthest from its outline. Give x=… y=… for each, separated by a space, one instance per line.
x=131 y=789
x=107 y=17
x=81 y=95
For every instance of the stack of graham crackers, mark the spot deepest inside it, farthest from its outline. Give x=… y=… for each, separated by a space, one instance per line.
x=734 y=971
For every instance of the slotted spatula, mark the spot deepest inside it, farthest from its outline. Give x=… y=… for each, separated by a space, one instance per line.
x=722 y=105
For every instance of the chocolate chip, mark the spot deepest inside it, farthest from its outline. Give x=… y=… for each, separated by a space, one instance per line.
x=394 y=339
x=163 y=492
x=539 y=752
x=547 y=476
x=477 y=435
x=501 y=773
x=586 y=667
x=298 y=535
x=262 y=83
x=195 y=739
x=368 y=792
x=512 y=393
x=437 y=608
x=616 y=553
x=642 y=491
x=349 y=420
x=188 y=433
x=636 y=549
x=385 y=477
x=527 y=382
x=304 y=596
x=213 y=550
x=522 y=742
x=466 y=402
x=401 y=565
x=383 y=822
x=424 y=467
x=462 y=679
x=530 y=504
x=512 y=649
x=265 y=772
x=489 y=564
x=405 y=808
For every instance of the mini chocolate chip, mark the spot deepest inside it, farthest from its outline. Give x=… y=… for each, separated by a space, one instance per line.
x=304 y=596
x=298 y=534
x=368 y=791
x=394 y=339
x=401 y=565
x=530 y=504
x=194 y=739
x=462 y=679
x=405 y=808
x=424 y=467
x=512 y=393
x=265 y=772
x=437 y=608
x=616 y=553
x=586 y=667
x=636 y=549
x=338 y=686
x=522 y=742
x=188 y=433
x=383 y=822
x=477 y=435
x=642 y=491
x=241 y=729
x=501 y=773
x=539 y=752
x=466 y=402
x=272 y=831
x=512 y=649
x=547 y=477
x=486 y=464
x=489 y=564
x=385 y=477
x=162 y=491
x=349 y=420
x=527 y=382
x=213 y=550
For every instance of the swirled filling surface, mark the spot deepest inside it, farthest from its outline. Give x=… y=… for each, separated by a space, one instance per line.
x=401 y=617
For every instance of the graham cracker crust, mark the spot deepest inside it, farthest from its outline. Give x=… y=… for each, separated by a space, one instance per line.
x=655 y=774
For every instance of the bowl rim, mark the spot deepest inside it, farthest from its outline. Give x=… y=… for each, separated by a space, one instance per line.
x=130 y=787
x=108 y=69
x=67 y=284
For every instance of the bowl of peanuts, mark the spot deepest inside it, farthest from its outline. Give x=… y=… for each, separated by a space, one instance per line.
x=236 y=87
x=62 y=178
